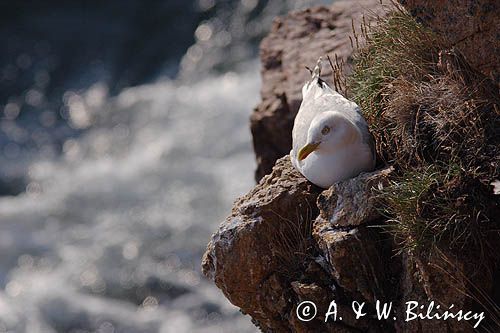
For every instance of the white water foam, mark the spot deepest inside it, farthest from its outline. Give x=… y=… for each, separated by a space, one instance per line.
x=108 y=237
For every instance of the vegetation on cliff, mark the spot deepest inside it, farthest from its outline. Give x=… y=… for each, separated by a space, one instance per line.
x=436 y=120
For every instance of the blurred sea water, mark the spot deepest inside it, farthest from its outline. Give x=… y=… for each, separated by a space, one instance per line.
x=124 y=139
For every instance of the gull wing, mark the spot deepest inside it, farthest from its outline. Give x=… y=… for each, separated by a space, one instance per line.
x=318 y=97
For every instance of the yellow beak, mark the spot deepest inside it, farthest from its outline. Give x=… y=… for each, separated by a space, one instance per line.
x=307 y=149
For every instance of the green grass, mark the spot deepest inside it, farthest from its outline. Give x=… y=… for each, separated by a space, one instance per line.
x=403 y=200
x=390 y=53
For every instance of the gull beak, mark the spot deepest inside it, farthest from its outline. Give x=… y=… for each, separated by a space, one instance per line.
x=307 y=149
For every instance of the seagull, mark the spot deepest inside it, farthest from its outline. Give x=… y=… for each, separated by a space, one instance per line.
x=331 y=141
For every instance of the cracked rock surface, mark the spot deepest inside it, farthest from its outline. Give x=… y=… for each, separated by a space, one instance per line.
x=278 y=248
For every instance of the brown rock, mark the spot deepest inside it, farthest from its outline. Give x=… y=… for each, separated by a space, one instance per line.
x=354 y=253
x=262 y=243
x=295 y=41
x=471 y=26
x=264 y=257
x=351 y=203
x=446 y=278
x=356 y=261
x=420 y=283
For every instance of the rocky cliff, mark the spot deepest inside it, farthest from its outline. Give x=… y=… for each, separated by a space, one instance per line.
x=287 y=241
x=470 y=26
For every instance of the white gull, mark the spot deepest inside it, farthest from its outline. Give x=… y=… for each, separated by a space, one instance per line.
x=331 y=141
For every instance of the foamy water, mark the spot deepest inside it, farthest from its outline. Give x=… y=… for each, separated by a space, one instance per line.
x=109 y=236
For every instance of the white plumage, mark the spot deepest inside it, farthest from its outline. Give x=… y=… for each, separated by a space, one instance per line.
x=331 y=141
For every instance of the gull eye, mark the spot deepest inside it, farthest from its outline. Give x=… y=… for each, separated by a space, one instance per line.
x=325 y=130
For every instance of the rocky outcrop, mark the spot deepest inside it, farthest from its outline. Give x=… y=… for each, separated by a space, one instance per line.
x=296 y=41
x=261 y=243
x=356 y=204
x=471 y=26
x=278 y=248
x=287 y=242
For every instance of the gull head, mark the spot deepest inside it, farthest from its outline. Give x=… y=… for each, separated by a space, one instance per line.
x=328 y=132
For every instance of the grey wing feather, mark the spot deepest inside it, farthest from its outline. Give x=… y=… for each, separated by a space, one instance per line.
x=367 y=136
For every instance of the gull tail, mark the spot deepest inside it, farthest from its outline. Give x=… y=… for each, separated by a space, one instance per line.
x=316 y=82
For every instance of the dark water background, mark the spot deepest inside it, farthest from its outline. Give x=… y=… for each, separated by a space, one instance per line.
x=123 y=141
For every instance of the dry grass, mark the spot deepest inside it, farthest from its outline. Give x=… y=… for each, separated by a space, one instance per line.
x=292 y=240
x=437 y=121
x=472 y=291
